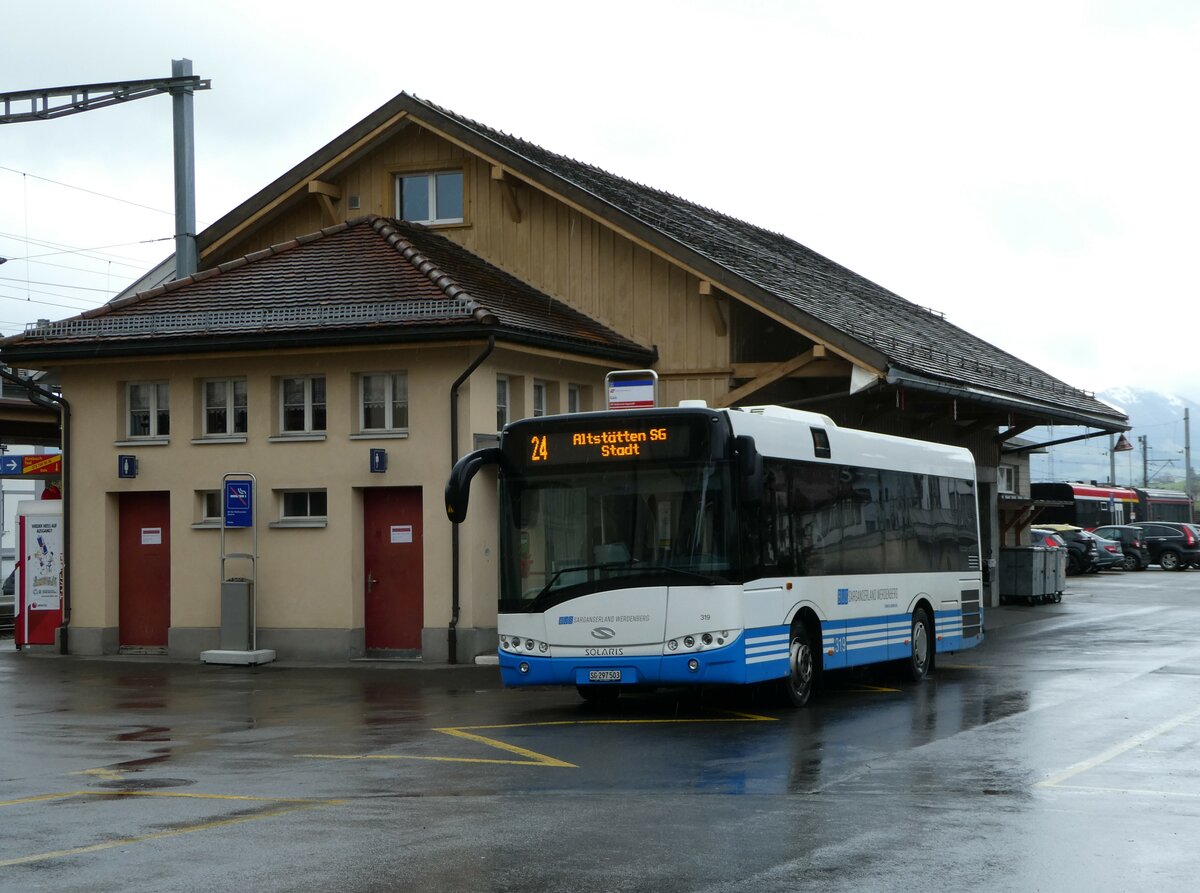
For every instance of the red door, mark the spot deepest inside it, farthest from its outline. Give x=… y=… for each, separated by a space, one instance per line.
x=145 y=572
x=393 y=568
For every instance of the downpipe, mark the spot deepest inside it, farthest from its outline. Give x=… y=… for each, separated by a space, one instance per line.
x=455 y=600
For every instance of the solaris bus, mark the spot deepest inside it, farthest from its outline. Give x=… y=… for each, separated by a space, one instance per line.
x=700 y=546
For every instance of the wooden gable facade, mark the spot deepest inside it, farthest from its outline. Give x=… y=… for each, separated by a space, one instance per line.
x=534 y=235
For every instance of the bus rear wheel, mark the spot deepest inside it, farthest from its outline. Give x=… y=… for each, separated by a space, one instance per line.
x=920 y=659
x=797 y=687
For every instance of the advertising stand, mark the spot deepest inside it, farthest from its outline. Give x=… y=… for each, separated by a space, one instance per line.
x=40 y=566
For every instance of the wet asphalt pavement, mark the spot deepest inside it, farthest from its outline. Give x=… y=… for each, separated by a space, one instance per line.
x=1062 y=755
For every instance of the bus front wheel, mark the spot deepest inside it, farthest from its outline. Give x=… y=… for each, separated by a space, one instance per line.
x=801 y=679
x=920 y=659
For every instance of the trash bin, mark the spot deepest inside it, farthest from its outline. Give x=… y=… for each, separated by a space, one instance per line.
x=237 y=614
x=1056 y=572
x=1027 y=573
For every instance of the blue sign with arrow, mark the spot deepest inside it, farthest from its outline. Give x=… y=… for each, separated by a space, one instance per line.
x=10 y=464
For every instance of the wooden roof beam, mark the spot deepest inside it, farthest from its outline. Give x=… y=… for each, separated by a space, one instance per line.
x=326 y=194
x=716 y=307
x=508 y=192
x=773 y=374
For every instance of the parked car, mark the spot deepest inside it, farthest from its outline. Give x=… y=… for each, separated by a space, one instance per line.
x=1133 y=544
x=8 y=599
x=1173 y=545
x=1081 y=547
x=1046 y=538
x=1109 y=554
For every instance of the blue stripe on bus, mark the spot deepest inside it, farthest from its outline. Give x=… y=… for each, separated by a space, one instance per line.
x=758 y=655
x=866 y=640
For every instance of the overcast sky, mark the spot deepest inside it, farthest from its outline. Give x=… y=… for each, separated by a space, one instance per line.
x=1029 y=169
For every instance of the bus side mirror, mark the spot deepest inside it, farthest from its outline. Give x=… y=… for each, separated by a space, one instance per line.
x=458 y=488
x=749 y=468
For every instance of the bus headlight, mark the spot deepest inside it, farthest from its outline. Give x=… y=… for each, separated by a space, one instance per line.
x=517 y=645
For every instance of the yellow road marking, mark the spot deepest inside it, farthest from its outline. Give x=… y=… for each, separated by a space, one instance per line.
x=862 y=688
x=106 y=774
x=288 y=805
x=1118 y=749
x=532 y=758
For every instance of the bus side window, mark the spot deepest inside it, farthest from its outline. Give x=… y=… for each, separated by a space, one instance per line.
x=778 y=556
x=814 y=514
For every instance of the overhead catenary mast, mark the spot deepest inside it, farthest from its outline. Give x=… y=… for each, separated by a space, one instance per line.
x=56 y=102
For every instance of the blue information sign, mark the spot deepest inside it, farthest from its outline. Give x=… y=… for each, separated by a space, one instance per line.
x=378 y=461
x=239 y=504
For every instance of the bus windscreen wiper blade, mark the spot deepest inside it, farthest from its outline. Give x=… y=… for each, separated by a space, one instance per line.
x=634 y=566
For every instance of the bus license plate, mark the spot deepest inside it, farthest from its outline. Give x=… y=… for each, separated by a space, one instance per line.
x=604 y=675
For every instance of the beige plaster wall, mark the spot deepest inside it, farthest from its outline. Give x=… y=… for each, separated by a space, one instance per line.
x=307 y=578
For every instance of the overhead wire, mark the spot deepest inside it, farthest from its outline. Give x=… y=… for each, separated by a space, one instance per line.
x=97 y=253
x=84 y=189
x=132 y=261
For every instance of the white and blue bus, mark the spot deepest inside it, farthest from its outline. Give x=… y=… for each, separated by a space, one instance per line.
x=695 y=546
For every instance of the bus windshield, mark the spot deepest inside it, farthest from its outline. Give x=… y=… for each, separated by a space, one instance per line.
x=570 y=533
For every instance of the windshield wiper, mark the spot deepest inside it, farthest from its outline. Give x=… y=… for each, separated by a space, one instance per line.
x=695 y=575
x=633 y=565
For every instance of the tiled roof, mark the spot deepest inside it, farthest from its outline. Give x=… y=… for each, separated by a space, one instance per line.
x=370 y=277
x=917 y=343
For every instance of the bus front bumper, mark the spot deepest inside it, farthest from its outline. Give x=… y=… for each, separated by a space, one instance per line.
x=717 y=666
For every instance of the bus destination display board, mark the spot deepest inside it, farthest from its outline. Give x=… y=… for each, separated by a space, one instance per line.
x=538 y=446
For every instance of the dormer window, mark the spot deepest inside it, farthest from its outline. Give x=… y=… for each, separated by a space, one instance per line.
x=433 y=198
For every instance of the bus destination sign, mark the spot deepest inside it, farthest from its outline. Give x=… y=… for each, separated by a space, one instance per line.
x=567 y=446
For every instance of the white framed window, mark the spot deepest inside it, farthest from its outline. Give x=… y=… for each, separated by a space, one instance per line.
x=502 y=401
x=383 y=401
x=302 y=404
x=297 y=505
x=210 y=505
x=432 y=197
x=539 y=398
x=224 y=407
x=149 y=409
x=574 y=398
x=1006 y=479
x=207 y=509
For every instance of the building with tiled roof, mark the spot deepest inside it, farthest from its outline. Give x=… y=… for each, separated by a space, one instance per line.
x=323 y=336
